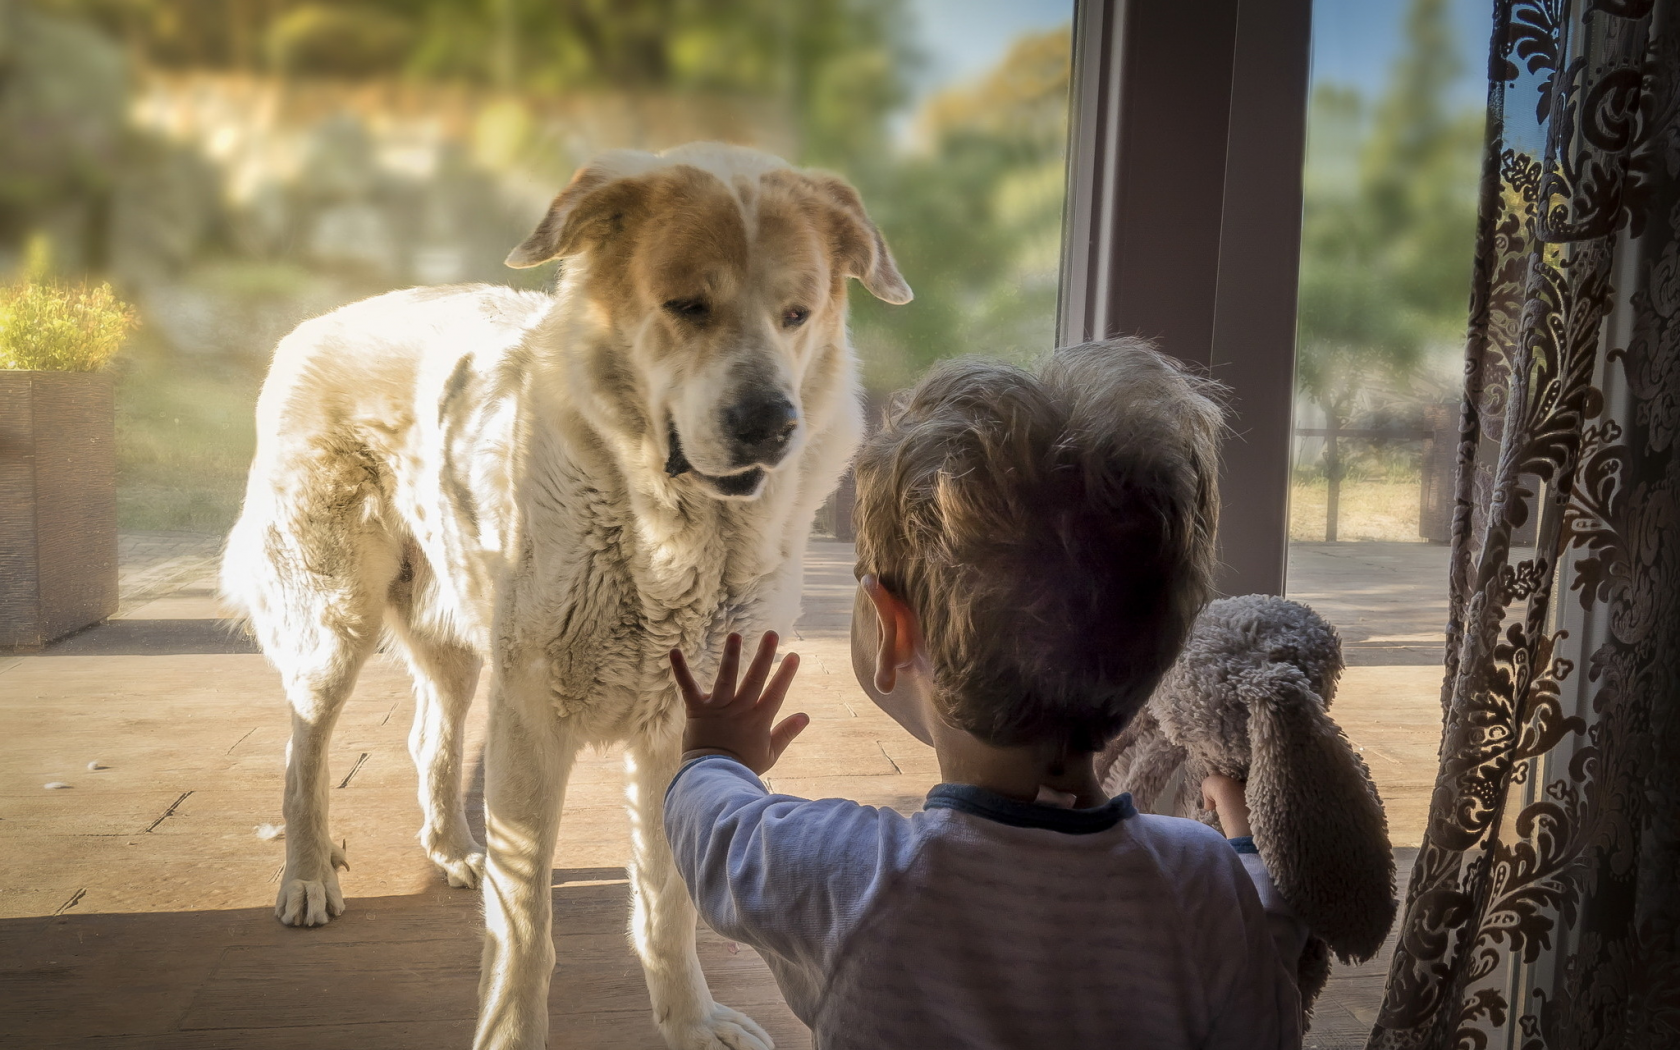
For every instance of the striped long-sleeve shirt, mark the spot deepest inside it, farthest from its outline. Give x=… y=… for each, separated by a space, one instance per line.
x=983 y=922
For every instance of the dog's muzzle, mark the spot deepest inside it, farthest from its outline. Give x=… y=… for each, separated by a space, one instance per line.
x=677 y=464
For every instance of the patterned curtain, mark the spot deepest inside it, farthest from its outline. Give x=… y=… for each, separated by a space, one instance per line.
x=1544 y=908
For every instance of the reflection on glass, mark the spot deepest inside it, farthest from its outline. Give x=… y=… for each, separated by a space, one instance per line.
x=1394 y=139
x=232 y=168
x=1387 y=233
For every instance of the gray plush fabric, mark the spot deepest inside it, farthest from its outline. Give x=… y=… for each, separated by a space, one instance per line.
x=1249 y=698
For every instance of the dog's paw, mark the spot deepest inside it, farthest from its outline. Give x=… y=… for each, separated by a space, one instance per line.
x=721 y=1029
x=311 y=897
x=463 y=869
x=454 y=850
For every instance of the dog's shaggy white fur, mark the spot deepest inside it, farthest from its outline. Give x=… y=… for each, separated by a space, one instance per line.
x=569 y=486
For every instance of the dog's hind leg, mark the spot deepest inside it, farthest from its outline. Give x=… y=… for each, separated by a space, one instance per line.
x=311 y=566
x=328 y=636
x=528 y=758
x=445 y=673
x=662 y=915
x=309 y=892
x=319 y=648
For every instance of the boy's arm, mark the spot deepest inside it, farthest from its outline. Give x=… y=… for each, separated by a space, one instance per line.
x=1289 y=933
x=1263 y=1007
x=782 y=874
x=1228 y=798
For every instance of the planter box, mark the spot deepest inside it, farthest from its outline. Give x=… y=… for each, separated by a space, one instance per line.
x=58 y=504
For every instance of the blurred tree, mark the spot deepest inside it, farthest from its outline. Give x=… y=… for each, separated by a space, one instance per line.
x=62 y=91
x=840 y=64
x=974 y=212
x=974 y=218
x=339 y=40
x=1388 y=230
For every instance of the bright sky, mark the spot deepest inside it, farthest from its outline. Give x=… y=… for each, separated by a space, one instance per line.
x=1354 y=41
x=962 y=39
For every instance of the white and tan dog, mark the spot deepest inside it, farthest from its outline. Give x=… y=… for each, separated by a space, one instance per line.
x=569 y=486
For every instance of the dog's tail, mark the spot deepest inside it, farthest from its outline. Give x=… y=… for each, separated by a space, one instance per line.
x=233 y=578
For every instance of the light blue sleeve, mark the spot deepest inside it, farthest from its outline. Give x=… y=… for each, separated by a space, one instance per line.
x=789 y=876
x=1289 y=933
x=1264 y=1006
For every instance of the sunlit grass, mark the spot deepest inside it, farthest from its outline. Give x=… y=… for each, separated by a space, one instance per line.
x=185 y=435
x=1370 y=509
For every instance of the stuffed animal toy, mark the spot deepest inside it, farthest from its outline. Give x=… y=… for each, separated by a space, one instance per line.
x=1247 y=698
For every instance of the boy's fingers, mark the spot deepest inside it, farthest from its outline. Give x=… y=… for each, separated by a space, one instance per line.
x=685 y=679
x=785 y=731
x=723 y=691
x=759 y=670
x=777 y=690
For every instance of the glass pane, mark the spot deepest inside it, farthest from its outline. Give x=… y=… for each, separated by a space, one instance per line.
x=1394 y=141
x=1394 y=137
x=232 y=167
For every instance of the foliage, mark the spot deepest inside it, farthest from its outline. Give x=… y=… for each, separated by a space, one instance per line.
x=974 y=219
x=61 y=113
x=54 y=327
x=1388 y=223
x=338 y=39
x=840 y=64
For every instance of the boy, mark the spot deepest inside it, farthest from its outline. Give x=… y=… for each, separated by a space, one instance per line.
x=1031 y=551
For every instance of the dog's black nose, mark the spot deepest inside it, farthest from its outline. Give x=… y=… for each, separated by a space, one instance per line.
x=760 y=425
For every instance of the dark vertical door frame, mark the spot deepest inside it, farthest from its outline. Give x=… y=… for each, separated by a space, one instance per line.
x=1183 y=223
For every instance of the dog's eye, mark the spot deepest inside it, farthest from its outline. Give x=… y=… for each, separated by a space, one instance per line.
x=689 y=309
x=794 y=316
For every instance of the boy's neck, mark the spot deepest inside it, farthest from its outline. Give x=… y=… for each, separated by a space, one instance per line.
x=1017 y=772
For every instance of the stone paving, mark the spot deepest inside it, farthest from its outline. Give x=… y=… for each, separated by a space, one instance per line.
x=135 y=905
x=152 y=565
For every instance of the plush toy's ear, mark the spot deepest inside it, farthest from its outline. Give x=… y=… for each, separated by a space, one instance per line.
x=1141 y=760
x=1318 y=822
x=586 y=210
x=1312 y=973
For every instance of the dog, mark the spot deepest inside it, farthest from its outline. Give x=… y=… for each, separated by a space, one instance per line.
x=568 y=486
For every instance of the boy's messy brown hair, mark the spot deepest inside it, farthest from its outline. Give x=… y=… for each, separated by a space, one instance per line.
x=1053 y=532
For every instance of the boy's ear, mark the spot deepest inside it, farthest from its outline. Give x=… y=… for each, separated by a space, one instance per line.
x=898 y=633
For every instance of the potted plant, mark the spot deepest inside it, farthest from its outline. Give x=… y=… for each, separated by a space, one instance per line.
x=58 y=507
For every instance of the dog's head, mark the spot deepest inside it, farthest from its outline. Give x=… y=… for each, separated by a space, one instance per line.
x=712 y=286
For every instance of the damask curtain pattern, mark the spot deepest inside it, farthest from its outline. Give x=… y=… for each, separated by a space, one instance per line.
x=1544 y=908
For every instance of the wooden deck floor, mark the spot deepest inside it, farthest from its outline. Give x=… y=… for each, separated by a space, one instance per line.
x=136 y=904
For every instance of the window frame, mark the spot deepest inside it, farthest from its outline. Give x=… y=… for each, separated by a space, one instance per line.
x=1182 y=223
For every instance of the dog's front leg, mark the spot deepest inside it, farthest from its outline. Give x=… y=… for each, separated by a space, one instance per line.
x=662 y=916
x=527 y=759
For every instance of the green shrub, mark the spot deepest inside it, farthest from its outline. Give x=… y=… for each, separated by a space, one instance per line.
x=56 y=327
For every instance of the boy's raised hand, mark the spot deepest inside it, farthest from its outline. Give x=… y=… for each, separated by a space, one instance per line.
x=736 y=720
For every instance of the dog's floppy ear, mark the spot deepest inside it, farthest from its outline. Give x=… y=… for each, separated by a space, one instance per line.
x=1318 y=821
x=859 y=248
x=586 y=210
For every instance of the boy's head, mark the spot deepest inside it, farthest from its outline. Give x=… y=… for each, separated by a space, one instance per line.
x=1052 y=533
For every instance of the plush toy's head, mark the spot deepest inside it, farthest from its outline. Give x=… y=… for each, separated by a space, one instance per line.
x=1198 y=703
